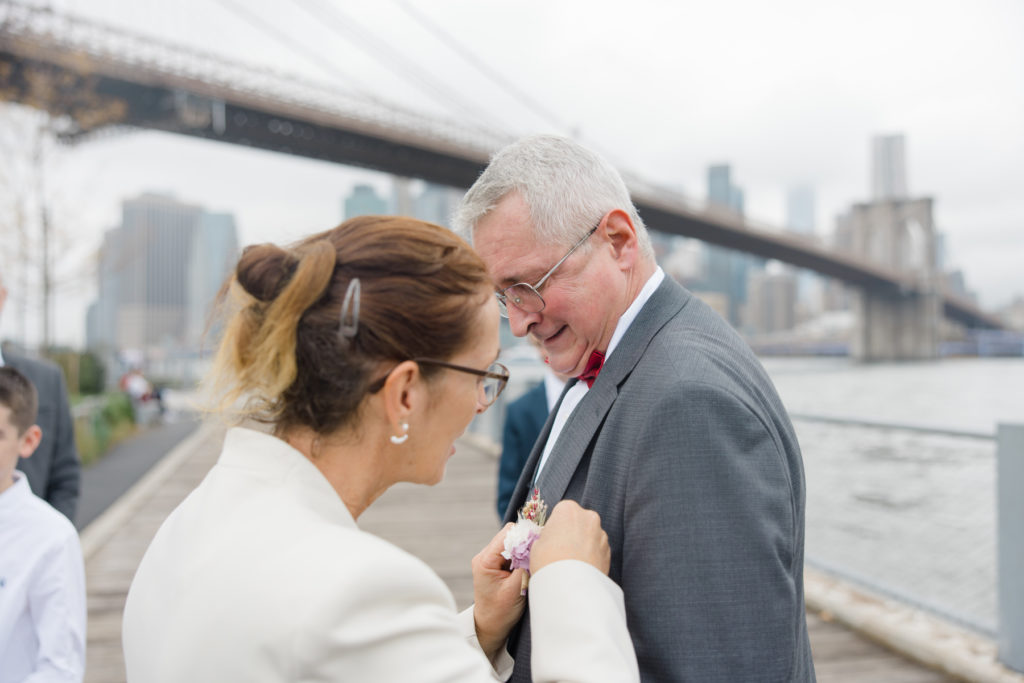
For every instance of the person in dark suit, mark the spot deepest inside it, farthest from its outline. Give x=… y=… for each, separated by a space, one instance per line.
x=524 y=418
x=672 y=432
x=54 y=470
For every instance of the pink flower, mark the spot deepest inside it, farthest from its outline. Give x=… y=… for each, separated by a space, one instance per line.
x=523 y=533
x=518 y=542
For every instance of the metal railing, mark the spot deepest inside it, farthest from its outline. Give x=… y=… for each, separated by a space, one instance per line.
x=905 y=511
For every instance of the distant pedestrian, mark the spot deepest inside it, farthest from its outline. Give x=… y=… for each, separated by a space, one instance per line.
x=42 y=578
x=524 y=421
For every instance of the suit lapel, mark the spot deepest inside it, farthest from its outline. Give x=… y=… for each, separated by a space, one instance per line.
x=585 y=421
x=522 y=489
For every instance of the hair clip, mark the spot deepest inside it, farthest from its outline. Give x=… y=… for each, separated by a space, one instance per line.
x=349 y=324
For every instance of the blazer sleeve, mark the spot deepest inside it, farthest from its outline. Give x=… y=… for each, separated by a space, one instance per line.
x=578 y=626
x=398 y=623
x=65 y=471
x=710 y=541
x=54 y=469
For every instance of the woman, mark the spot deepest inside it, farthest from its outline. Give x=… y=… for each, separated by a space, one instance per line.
x=366 y=350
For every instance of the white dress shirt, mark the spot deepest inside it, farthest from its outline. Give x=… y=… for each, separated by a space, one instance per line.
x=42 y=591
x=579 y=390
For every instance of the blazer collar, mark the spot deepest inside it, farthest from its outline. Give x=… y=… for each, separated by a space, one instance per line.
x=271 y=458
x=585 y=422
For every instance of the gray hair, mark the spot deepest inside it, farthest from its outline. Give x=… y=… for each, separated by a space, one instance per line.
x=566 y=186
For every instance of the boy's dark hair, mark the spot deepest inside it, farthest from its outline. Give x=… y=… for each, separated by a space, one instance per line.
x=19 y=395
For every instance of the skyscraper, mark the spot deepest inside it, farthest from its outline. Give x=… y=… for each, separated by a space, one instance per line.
x=772 y=299
x=436 y=203
x=800 y=209
x=725 y=269
x=165 y=259
x=214 y=252
x=364 y=201
x=888 y=168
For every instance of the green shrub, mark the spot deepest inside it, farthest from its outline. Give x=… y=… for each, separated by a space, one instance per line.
x=103 y=427
x=83 y=372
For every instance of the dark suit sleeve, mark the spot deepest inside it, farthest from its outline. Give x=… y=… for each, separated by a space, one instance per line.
x=516 y=444
x=709 y=561
x=62 y=488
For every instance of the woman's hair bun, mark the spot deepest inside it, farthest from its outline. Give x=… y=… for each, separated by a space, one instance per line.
x=264 y=270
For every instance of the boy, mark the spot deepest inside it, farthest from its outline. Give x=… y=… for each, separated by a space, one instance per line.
x=42 y=578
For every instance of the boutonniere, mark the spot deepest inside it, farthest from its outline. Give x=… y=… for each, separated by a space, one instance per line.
x=523 y=533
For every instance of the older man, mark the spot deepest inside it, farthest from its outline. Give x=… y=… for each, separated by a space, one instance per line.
x=673 y=431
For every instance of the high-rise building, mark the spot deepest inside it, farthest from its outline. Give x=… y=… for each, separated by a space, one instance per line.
x=436 y=203
x=214 y=253
x=888 y=168
x=364 y=201
x=800 y=209
x=771 y=302
x=725 y=270
x=401 y=196
x=155 y=269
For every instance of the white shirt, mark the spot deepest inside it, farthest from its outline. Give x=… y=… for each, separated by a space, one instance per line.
x=580 y=389
x=42 y=591
x=553 y=385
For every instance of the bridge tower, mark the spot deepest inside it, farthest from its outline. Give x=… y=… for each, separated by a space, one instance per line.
x=898 y=234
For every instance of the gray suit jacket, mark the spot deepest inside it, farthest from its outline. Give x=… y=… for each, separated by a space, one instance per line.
x=53 y=471
x=685 y=450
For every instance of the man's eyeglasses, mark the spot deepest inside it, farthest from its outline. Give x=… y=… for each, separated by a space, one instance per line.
x=489 y=386
x=524 y=296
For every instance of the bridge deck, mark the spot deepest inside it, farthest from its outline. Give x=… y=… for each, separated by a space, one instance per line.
x=407 y=515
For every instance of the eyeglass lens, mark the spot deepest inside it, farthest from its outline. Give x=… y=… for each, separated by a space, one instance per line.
x=490 y=387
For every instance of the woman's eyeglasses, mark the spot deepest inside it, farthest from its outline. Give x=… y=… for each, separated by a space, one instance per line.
x=490 y=383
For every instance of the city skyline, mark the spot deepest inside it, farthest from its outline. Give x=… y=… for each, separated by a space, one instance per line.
x=779 y=120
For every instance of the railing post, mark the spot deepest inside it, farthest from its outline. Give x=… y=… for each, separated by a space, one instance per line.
x=1010 y=540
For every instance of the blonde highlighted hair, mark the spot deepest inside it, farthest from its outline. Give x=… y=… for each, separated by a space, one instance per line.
x=281 y=359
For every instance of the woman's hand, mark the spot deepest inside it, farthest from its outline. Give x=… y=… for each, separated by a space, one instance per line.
x=497 y=594
x=571 y=533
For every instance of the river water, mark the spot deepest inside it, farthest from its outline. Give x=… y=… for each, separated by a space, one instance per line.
x=910 y=513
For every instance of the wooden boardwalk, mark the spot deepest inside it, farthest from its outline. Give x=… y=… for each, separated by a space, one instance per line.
x=444 y=525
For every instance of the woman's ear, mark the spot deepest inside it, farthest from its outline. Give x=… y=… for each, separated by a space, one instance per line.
x=401 y=393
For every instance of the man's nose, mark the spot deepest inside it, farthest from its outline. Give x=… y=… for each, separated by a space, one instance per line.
x=519 y=321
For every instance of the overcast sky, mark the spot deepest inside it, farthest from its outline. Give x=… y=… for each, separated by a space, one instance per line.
x=788 y=92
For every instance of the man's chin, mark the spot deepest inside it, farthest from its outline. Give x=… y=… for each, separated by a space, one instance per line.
x=559 y=366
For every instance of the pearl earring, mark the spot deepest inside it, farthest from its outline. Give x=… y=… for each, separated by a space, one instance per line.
x=401 y=439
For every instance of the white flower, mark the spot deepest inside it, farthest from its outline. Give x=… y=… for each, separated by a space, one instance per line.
x=519 y=538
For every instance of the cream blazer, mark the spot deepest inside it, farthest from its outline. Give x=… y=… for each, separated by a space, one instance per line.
x=261 y=575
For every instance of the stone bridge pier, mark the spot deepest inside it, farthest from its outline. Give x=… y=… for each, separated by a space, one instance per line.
x=897 y=234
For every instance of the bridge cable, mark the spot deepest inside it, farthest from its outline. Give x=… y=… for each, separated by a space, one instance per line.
x=355 y=86
x=473 y=59
x=343 y=24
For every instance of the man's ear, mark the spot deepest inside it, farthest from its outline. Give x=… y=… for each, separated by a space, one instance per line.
x=621 y=234
x=30 y=441
x=401 y=393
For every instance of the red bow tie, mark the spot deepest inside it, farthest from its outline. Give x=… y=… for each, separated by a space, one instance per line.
x=594 y=366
